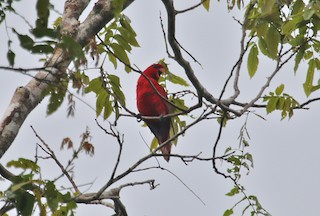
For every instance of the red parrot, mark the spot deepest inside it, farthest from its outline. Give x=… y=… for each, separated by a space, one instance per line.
x=149 y=103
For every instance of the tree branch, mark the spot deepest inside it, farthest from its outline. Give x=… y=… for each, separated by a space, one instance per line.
x=49 y=151
x=201 y=90
x=26 y=98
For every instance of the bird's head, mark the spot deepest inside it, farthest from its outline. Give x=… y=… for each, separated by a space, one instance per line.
x=154 y=71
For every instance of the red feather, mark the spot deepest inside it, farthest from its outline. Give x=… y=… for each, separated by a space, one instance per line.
x=149 y=103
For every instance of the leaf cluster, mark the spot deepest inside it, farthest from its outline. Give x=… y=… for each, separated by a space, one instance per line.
x=40 y=39
x=254 y=207
x=280 y=101
x=238 y=159
x=278 y=24
x=119 y=38
x=27 y=190
x=109 y=96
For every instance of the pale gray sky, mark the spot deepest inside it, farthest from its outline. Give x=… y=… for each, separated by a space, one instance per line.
x=286 y=174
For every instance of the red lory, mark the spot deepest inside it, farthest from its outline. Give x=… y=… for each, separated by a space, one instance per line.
x=150 y=103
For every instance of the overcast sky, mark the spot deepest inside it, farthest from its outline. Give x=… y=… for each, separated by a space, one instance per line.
x=286 y=173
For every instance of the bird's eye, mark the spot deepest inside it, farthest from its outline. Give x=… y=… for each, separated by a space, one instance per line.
x=159 y=72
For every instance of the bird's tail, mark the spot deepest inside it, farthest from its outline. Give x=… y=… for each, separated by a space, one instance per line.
x=166 y=150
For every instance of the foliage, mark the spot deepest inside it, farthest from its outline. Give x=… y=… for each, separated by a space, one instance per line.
x=277 y=30
x=240 y=160
x=27 y=190
x=119 y=37
x=108 y=94
x=281 y=101
x=280 y=25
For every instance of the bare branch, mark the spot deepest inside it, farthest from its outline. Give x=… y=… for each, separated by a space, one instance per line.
x=191 y=8
x=50 y=152
x=165 y=37
x=202 y=91
x=151 y=154
x=113 y=132
x=112 y=193
x=308 y=102
x=6 y=207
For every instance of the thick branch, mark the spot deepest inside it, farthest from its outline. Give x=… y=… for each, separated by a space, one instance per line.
x=26 y=98
x=171 y=12
x=202 y=91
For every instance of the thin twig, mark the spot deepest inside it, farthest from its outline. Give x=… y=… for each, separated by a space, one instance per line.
x=151 y=154
x=120 y=141
x=50 y=152
x=191 y=8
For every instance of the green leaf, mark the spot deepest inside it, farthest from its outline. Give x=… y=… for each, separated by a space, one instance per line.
x=125 y=23
x=112 y=59
x=307 y=55
x=287 y=104
x=45 y=32
x=272 y=41
x=289 y=26
x=266 y=7
x=42 y=48
x=179 y=103
x=279 y=89
x=272 y=104
x=297 y=41
x=120 y=53
x=281 y=103
x=95 y=85
x=227 y=150
x=18 y=186
x=253 y=60
x=26 y=42
x=228 y=212
x=57 y=96
x=245 y=143
x=107 y=108
x=176 y=79
x=308 y=14
x=297 y=7
x=233 y=191
x=101 y=101
x=122 y=42
x=25 y=202
x=24 y=164
x=298 y=58
x=114 y=81
x=307 y=86
x=57 y=22
x=51 y=194
x=249 y=158
x=262 y=29
x=206 y=4
x=315 y=88
x=128 y=34
x=11 y=56
x=117 y=6
x=154 y=144
x=283 y=114
x=72 y=47
x=43 y=13
x=263 y=46
x=316 y=22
